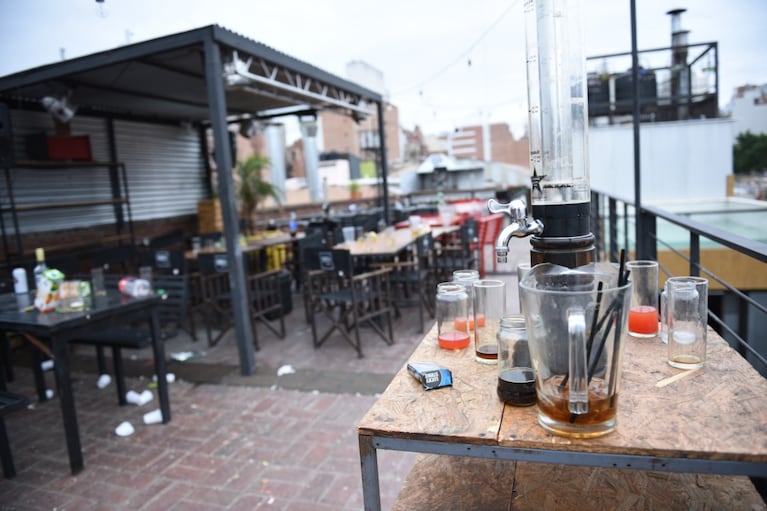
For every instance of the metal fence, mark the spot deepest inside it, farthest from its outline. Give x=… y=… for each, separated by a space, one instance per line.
x=614 y=222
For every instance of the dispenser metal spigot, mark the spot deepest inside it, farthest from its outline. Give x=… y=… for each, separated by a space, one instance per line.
x=519 y=227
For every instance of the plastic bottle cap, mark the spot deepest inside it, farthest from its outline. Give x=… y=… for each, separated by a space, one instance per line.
x=40 y=254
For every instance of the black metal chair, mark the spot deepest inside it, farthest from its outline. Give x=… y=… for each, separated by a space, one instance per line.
x=264 y=298
x=172 y=261
x=121 y=258
x=215 y=295
x=170 y=240
x=459 y=253
x=9 y=403
x=414 y=279
x=348 y=301
x=294 y=264
x=173 y=313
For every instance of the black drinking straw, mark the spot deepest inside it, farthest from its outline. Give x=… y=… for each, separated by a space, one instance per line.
x=601 y=347
x=623 y=280
x=593 y=332
x=614 y=316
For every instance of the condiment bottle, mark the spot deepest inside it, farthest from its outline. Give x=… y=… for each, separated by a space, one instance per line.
x=40 y=267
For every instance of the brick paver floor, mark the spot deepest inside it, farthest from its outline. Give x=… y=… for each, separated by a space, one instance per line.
x=235 y=442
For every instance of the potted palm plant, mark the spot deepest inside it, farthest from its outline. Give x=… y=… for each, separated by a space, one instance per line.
x=354 y=190
x=253 y=189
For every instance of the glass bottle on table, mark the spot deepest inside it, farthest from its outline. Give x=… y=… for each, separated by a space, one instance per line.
x=293 y=224
x=40 y=267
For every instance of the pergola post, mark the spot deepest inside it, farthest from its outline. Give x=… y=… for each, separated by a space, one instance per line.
x=312 y=159
x=217 y=100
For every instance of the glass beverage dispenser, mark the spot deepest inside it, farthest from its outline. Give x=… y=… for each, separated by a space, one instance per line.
x=558 y=119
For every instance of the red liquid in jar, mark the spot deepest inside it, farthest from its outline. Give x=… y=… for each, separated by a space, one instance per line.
x=453 y=340
x=643 y=319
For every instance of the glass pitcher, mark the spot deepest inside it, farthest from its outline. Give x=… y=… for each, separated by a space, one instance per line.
x=576 y=320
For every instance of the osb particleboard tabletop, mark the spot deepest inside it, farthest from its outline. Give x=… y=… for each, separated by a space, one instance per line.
x=718 y=412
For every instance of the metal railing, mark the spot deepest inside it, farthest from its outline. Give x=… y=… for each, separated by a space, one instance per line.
x=613 y=224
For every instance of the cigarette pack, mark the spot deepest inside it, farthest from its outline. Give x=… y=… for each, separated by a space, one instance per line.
x=431 y=375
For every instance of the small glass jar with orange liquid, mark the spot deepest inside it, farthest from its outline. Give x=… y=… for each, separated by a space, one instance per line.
x=452 y=316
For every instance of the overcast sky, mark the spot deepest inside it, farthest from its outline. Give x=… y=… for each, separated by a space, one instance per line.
x=446 y=63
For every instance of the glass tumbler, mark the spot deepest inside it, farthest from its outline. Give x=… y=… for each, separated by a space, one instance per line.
x=489 y=308
x=688 y=320
x=467 y=278
x=643 y=313
x=516 y=378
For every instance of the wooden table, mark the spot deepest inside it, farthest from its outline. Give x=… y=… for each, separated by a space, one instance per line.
x=434 y=220
x=387 y=243
x=713 y=420
x=253 y=245
x=271 y=239
x=57 y=329
x=390 y=242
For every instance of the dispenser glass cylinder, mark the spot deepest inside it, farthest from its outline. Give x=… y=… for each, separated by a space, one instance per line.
x=558 y=117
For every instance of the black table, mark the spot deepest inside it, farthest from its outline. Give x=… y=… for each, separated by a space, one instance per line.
x=57 y=329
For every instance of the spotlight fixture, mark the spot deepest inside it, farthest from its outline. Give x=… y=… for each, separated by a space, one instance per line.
x=58 y=108
x=308 y=124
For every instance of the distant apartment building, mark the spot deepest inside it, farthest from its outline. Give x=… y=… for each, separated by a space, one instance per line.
x=360 y=137
x=294 y=159
x=343 y=135
x=488 y=142
x=748 y=109
x=416 y=147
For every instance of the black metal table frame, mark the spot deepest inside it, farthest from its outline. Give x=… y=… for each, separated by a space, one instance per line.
x=60 y=328
x=369 y=445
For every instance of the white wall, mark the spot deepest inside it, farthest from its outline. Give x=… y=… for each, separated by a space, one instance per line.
x=749 y=111
x=680 y=159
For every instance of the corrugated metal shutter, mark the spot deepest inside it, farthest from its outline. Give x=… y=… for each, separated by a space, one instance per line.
x=165 y=173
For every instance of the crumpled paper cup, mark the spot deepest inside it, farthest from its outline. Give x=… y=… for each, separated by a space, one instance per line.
x=125 y=428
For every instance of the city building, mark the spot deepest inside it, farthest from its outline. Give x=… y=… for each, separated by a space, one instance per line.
x=748 y=109
x=487 y=142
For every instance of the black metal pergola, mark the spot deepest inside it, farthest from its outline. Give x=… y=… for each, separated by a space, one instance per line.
x=208 y=77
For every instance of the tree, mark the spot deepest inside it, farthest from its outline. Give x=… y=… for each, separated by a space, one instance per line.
x=253 y=188
x=750 y=153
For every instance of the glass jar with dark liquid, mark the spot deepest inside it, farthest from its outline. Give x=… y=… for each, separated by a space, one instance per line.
x=516 y=378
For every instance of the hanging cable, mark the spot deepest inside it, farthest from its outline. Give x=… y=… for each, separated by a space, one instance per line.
x=465 y=55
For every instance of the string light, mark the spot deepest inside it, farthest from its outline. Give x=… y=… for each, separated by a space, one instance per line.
x=465 y=54
x=102 y=11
